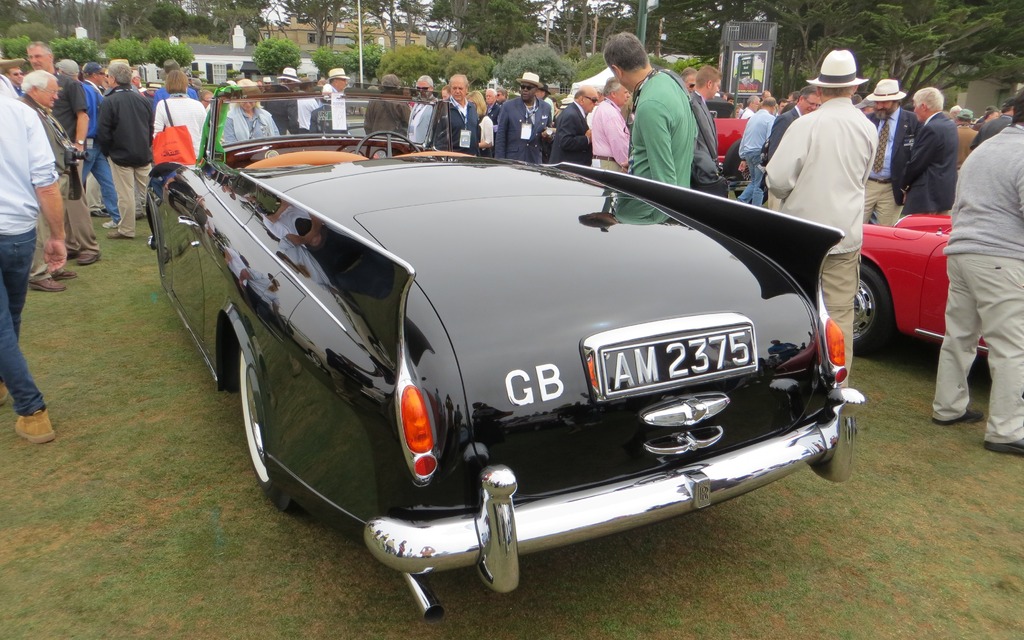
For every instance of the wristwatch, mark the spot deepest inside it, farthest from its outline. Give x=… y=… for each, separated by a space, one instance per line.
x=79 y=141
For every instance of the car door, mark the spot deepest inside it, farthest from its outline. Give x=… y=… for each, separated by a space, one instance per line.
x=178 y=199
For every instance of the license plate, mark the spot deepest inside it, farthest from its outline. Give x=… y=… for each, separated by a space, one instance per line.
x=667 y=354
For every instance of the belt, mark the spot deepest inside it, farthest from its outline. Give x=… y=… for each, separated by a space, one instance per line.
x=879 y=181
x=608 y=158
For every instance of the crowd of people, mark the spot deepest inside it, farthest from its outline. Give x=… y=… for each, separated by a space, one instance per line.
x=821 y=153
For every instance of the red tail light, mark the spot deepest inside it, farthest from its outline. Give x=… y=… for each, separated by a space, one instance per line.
x=416 y=421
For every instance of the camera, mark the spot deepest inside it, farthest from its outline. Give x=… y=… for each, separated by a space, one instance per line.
x=73 y=156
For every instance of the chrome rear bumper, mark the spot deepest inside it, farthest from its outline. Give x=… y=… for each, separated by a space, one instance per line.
x=493 y=538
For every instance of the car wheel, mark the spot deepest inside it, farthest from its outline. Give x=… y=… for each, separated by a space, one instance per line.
x=249 y=388
x=873 y=318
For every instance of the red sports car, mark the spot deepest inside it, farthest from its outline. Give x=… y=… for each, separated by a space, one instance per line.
x=903 y=282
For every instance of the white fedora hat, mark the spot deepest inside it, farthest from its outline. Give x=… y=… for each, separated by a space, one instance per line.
x=288 y=74
x=337 y=73
x=887 y=90
x=839 y=69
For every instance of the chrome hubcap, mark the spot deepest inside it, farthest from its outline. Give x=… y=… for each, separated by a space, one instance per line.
x=863 y=310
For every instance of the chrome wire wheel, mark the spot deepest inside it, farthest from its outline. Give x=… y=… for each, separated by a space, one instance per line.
x=874 y=321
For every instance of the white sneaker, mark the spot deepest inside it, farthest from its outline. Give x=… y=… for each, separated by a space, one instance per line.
x=109 y=224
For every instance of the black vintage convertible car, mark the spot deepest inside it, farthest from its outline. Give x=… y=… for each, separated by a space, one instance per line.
x=467 y=359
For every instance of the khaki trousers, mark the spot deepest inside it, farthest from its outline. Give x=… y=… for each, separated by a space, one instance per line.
x=840 y=276
x=127 y=180
x=93 y=195
x=78 y=231
x=609 y=165
x=986 y=298
x=878 y=198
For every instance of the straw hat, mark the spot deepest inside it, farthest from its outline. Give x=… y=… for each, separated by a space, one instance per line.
x=839 y=69
x=337 y=73
x=288 y=74
x=887 y=90
x=531 y=78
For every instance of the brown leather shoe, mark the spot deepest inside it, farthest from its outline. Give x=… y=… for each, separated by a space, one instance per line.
x=35 y=428
x=88 y=257
x=46 y=284
x=117 y=235
x=64 y=274
x=72 y=254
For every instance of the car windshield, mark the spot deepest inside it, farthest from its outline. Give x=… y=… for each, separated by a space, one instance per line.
x=280 y=115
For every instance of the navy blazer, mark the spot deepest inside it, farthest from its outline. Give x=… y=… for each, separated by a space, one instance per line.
x=779 y=127
x=453 y=125
x=571 y=142
x=507 y=141
x=906 y=130
x=931 y=172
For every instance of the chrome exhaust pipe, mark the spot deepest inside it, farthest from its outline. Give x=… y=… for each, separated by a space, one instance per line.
x=428 y=603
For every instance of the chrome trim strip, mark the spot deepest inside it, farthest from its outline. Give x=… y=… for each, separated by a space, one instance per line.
x=938 y=336
x=450 y=543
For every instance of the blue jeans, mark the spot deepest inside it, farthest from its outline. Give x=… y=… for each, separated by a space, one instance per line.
x=15 y=263
x=754 y=194
x=96 y=163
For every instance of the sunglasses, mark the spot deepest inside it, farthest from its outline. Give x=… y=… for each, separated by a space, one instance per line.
x=527 y=87
x=692 y=85
x=594 y=100
x=423 y=88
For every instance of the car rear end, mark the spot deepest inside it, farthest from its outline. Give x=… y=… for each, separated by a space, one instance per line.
x=620 y=362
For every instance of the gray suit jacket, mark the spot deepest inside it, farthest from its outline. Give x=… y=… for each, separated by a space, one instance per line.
x=705 y=151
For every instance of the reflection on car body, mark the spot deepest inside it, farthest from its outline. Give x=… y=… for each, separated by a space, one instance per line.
x=443 y=354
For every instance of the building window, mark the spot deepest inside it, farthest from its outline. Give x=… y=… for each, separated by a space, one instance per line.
x=345 y=40
x=218 y=73
x=310 y=38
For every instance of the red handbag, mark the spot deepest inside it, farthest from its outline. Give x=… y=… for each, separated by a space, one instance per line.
x=174 y=143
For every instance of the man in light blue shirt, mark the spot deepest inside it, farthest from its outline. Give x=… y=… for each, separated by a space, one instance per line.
x=30 y=188
x=759 y=127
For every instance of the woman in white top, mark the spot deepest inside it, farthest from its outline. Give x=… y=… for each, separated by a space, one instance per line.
x=183 y=110
x=486 y=125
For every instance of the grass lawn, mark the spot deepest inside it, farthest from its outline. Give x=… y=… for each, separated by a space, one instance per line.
x=143 y=520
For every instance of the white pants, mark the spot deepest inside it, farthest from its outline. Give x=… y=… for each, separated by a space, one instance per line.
x=986 y=297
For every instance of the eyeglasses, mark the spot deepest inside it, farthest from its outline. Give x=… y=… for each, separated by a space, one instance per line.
x=526 y=87
x=50 y=90
x=594 y=100
x=423 y=88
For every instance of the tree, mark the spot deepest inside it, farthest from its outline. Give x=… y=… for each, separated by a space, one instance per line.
x=476 y=67
x=409 y=63
x=538 y=58
x=129 y=14
x=169 y=19
x=34 y=31
x=128 y=49
x=158 y=50
x=80 y=50
x=326 y=58
x=271 y=56
x=496 y=25
x=15 y=47
x=248 y=14
x=322 y=15
x=372 y=55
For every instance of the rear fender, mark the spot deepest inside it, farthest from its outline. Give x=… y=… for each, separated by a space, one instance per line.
x=741 y=222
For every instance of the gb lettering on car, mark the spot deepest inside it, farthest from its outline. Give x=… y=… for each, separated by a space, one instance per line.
x=543 y=383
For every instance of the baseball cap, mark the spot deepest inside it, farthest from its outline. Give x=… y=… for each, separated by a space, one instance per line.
x=68 y=67
x=91 y=67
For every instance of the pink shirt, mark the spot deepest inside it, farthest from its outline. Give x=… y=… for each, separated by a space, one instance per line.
x=609 y=136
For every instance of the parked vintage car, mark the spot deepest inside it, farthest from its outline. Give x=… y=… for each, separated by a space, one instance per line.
x=466 y=360
x=903 y=282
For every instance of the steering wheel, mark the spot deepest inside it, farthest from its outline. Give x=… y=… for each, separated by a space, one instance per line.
x=389 y=137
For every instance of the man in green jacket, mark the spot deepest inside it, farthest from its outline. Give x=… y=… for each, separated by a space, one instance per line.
x=664 y=129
